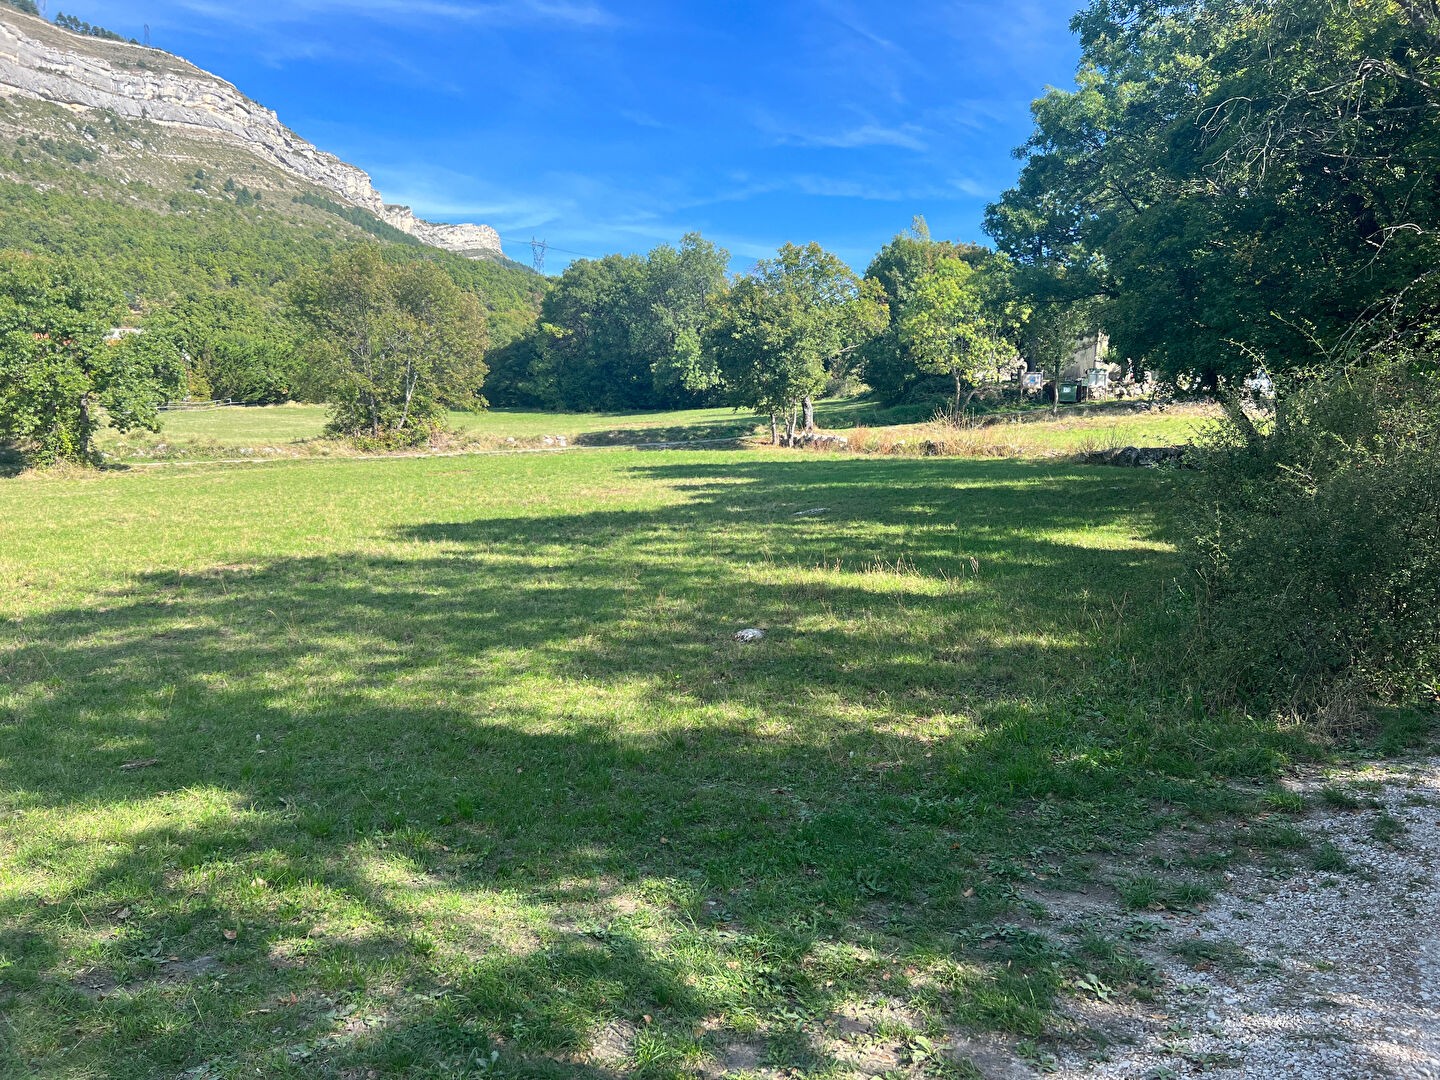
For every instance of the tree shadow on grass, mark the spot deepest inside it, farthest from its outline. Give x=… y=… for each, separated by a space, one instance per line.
x=12 y=462
x=528 y=790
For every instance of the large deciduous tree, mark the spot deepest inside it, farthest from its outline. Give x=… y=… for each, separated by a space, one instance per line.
x=589 y=352
x=393 y=345
x=623 y=332
x=1240 y=180
x=680 y=283
x=961 y=321
x=887 y=361
x=779 y=333
x=57 y=368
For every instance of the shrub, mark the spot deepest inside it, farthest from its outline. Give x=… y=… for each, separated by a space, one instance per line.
x=1316 y=543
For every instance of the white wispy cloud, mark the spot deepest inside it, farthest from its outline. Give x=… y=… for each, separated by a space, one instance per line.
x=643 y=119
x=904 y=136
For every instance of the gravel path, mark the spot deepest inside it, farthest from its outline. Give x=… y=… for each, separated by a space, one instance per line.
x=1328 y=974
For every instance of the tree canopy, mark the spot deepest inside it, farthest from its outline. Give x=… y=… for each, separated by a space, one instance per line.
x=57 y=368
x=392 y=345
x=954 y=323
x=782 y=330
x=622 y=332
x=1238 y=181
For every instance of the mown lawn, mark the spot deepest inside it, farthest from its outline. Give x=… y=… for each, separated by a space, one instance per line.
x=451 y=767
x=273 y=430
x=277 y=426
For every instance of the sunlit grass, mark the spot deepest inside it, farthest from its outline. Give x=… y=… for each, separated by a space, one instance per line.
x=437 y=759
x=291 y=430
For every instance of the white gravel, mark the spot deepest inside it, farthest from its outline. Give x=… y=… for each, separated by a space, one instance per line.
x=1343 y=974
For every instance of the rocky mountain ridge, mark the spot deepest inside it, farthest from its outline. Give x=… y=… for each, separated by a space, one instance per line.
x=45 y=63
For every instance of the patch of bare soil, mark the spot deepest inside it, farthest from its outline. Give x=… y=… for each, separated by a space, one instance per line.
x=1331 y=973
x=95 y=983
x=736 y=1056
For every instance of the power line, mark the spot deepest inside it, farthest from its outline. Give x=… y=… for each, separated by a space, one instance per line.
x=565 y=251
x=539 y=249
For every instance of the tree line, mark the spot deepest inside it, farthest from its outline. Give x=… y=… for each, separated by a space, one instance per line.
x=391 y=340
x=1237 y=183
x=672 y=329
x=77 y=25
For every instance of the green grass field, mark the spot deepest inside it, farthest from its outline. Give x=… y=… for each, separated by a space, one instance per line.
x=451 y=767
x=250 y=426
x=284 y=430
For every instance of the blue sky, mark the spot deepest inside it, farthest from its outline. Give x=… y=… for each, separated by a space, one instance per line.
x=604 y=125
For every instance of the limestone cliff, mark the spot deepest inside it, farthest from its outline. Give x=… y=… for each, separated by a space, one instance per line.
x=46 y=63
x=471 y=240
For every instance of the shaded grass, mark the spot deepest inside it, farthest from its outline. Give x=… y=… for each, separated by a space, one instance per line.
x=451 y=761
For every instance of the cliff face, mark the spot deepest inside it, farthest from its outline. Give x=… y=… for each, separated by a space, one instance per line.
x=43 y=62
x=471 y=240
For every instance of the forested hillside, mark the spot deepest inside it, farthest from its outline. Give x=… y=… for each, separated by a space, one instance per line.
x=193 y=215
x=197 y=231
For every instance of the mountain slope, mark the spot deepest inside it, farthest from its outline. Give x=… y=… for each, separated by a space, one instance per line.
x=193 y=190
x=140 y=114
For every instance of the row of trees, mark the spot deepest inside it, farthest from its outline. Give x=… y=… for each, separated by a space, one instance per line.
x=390 y=341
x=390 y=344
x=672 y=329
x=80 y=26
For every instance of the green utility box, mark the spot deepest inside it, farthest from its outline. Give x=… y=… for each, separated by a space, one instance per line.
x=1069 y=393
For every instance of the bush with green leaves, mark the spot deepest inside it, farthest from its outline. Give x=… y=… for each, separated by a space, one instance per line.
x=1316 y=543
x=58 y=369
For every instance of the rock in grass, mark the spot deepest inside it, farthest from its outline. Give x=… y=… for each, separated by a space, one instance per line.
x=749 y=636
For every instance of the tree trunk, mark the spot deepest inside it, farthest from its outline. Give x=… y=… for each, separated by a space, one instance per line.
x=965 y=411
x=790 y=427
x=405 y=411
x=809 y=415
x=1235 y=411
x=85 y=426
x=774 y=430
x=956 y=374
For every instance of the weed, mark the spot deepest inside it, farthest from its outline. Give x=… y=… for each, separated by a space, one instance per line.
x=1337 y=798
x=1205 y=953
x=1283 y=801
x=1156 y=894
x=1387 y=828
x=1329 y=859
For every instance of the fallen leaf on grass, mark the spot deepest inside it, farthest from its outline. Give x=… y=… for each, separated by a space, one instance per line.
x=229 y=935
x=145 y=764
